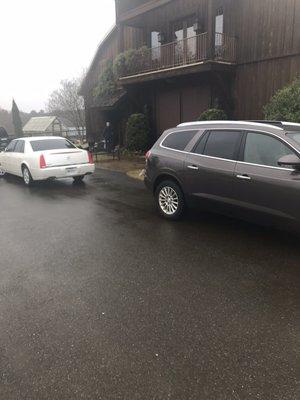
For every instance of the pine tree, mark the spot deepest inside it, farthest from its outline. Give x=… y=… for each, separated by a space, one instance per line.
x=16 y=119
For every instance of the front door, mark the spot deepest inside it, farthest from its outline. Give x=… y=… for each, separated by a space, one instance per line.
x=7 y=157
x=17 y=158
x=260 y=184
x=210 y=167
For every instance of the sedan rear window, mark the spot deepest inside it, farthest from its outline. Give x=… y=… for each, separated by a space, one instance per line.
x=179 y=140
x=51 y=144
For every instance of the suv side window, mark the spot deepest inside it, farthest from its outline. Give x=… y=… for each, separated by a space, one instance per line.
x=223 y=144
x=179 y=140
x=19 y=146
x=264 y=149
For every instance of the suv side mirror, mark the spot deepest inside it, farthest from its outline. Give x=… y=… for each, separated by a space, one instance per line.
x=290 y=161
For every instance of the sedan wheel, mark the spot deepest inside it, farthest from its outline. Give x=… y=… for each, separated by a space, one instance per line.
x=2 y=172
x=27 y=176
x=170 y=200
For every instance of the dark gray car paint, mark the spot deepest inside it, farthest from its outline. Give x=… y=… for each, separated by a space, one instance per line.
x=270 y=191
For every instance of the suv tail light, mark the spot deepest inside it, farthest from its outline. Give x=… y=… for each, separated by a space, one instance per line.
x=91 y=160
x=42 y=161
x=148 y=154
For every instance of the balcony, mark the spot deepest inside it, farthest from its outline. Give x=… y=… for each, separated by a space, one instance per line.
x=182 y=56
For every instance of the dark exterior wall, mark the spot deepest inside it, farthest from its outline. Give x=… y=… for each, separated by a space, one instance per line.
x=181 y=99
x=256 y=83
x=95 y=123
x=161 y=18
x=133 y=38
x=123 y=6
x=266 y=29
x=268 y=52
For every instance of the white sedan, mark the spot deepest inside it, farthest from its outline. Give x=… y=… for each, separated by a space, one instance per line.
x=45 y=158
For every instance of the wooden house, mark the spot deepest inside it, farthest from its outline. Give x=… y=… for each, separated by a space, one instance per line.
x=196 y=54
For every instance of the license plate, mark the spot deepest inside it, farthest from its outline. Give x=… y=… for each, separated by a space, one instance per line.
x=71 y=170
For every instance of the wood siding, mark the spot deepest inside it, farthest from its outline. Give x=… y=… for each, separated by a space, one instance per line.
x=266 y=28
x=256 y=83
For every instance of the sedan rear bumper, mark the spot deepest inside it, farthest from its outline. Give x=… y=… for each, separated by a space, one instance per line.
x=67 y=171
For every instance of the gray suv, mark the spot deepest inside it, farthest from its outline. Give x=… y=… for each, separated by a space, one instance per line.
x=247 y=168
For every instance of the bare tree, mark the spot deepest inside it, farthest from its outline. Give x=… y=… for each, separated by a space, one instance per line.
x=65 y=102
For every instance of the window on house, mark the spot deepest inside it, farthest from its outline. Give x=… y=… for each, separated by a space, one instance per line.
x=191 y=41
x=219 y=27
x=155 y=45
x=179 y=35
x=185 y=38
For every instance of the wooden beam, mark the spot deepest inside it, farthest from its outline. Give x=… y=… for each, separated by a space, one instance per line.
x=203 y=66
x=150 y=5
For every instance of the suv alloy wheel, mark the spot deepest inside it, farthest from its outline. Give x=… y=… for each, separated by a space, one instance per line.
x=170 y=200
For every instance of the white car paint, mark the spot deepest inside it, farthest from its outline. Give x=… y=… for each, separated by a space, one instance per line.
x=60 y=162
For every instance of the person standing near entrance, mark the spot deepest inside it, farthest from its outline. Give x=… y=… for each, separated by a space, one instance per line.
x=108 y=136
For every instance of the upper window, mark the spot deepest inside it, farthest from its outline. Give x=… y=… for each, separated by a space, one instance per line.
x=219 y=28
x=19 y=146
x=155 y=45
x=223 y=144
x=179 y=140
x=10 y=148
x=51 y=144
x=264 y=149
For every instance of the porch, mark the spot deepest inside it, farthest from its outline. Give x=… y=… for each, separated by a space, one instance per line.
x=180 y=54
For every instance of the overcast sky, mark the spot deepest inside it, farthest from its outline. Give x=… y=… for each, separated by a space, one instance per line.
x=45 y=41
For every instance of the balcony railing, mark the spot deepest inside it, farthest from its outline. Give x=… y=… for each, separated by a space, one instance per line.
x=184 y=52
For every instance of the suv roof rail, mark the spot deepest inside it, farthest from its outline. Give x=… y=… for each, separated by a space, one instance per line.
x=278 y=125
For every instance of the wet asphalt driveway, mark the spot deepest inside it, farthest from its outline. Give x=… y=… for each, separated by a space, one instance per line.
x=102 y=299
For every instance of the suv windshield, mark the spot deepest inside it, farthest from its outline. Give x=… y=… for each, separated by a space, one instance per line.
x=51 y=144
x=295 y=136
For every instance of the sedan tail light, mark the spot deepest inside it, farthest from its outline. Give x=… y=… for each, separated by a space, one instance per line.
x=148 y=155
x=91 y=161
x=42 y=161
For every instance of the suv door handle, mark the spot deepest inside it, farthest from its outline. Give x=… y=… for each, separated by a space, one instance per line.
x=244 y=177
x=193 y=167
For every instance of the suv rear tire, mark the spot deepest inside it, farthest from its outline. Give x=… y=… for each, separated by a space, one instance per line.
x=170 y=200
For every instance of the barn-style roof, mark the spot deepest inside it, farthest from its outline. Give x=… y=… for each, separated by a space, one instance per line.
x=38 y=124
x=95 y=60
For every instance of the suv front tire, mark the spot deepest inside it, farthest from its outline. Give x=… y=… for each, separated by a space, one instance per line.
x=170 y=200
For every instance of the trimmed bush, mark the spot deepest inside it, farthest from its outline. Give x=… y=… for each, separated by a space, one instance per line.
x=285 y=104
x=213 y=114
x=137 y=132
